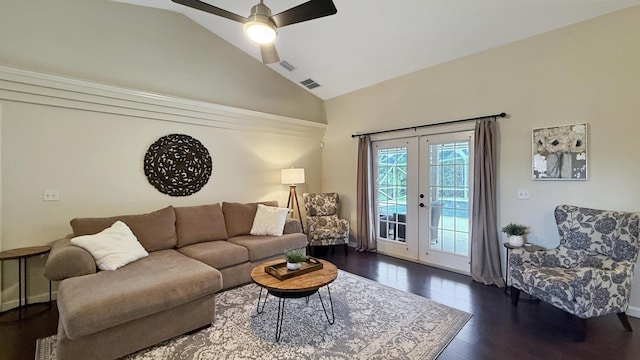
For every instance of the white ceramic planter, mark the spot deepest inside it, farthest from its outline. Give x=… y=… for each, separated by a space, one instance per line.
x=293 y=266
x=516 y=240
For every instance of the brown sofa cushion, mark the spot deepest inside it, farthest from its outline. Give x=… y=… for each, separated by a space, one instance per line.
x=155 y=231
x=217 y=254
x=160 y=281
x=262 y=247
x=195 y=224
x=239 y=217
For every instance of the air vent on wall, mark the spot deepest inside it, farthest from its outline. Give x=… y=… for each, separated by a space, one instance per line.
x=309 y=84
x=287 y=65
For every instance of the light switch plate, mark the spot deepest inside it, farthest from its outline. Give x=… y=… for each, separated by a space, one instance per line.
x=523 y=194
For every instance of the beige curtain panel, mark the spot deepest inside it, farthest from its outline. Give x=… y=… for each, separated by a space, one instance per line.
x=366 y=237
x=485 y=244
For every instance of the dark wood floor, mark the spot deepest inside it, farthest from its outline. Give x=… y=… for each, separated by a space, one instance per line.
x=496 y=330
x=18 y=340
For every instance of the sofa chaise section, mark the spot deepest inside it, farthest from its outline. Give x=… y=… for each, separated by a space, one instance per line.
x=147 y=290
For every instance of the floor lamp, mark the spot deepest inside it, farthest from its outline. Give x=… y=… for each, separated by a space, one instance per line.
x=292 y=177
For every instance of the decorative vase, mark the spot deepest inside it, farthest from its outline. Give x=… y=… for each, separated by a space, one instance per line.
x=293 y=266
x=516 y=240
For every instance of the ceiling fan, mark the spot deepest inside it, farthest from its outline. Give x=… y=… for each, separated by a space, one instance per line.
x=260 y=26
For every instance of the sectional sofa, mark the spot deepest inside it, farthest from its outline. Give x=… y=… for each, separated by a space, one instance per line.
x=193 y=252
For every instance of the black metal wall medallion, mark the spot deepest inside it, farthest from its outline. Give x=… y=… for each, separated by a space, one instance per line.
x=177 y=165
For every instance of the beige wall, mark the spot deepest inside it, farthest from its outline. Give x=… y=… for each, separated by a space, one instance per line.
x=147 y=49
x=585 y=73
x=95 y=158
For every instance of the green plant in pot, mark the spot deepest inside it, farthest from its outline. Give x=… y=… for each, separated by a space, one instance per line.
x=294 y=258
x=516 y=233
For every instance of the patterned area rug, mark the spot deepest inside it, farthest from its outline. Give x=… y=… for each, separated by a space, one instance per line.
x=373 y=321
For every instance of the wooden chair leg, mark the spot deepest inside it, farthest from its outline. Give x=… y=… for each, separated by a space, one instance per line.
x=581 y=329
x=515 y=296
x=346 y=248
x=625 y=321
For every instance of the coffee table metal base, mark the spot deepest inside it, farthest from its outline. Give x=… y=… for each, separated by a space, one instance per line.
x=283 y=295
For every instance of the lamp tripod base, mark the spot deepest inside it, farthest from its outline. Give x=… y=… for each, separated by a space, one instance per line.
x=293 y=196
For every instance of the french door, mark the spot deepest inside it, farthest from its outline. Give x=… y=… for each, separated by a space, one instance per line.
x=396 y=197
x=446 y=182
x=423 y=198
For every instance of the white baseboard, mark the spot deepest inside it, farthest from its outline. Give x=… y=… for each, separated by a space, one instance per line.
x=633 y=311
x=44 y=297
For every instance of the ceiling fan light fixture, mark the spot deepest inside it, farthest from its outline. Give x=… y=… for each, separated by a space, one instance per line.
x=260 y=32
x=259 y=27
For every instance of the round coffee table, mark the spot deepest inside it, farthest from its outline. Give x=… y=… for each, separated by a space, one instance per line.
x=300 y=286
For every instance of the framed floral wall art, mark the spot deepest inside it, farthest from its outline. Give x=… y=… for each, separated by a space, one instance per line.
x=560 y=153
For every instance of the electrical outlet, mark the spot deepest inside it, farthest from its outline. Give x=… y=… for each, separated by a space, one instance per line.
x=523 y=194
x=51 y=195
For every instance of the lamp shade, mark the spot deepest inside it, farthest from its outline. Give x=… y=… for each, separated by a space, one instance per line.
x=292 y=176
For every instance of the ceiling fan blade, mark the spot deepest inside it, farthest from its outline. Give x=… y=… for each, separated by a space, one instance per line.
x=306 y=11
x=269 y=53
x=199 y=5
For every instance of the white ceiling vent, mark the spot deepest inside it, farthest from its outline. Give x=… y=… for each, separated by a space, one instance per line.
x=309 y=84
x=287 y=65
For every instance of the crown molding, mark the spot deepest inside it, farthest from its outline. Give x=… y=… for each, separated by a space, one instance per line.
x=27 y=86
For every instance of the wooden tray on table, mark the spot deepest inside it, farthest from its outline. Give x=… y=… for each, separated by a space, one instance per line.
x=281 y=272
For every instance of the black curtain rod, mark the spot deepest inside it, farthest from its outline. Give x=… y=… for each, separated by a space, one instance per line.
x=427 y=125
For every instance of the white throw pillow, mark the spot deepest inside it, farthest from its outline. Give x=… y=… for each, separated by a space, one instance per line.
x=113 y=247
x=269 y=220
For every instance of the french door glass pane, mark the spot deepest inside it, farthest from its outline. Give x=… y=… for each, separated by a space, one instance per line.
x=391 y=193
x=449 y=197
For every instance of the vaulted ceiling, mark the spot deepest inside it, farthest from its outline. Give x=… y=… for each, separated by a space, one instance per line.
x=370 y=41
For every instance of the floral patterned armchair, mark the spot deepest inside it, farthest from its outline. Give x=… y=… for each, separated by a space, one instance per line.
x=323 y=225
x=590 y=273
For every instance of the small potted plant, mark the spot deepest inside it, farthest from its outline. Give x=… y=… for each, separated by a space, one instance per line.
x=515 y=233
x=294 y=258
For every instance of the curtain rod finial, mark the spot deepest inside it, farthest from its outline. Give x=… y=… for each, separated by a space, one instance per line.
x=503 y=114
